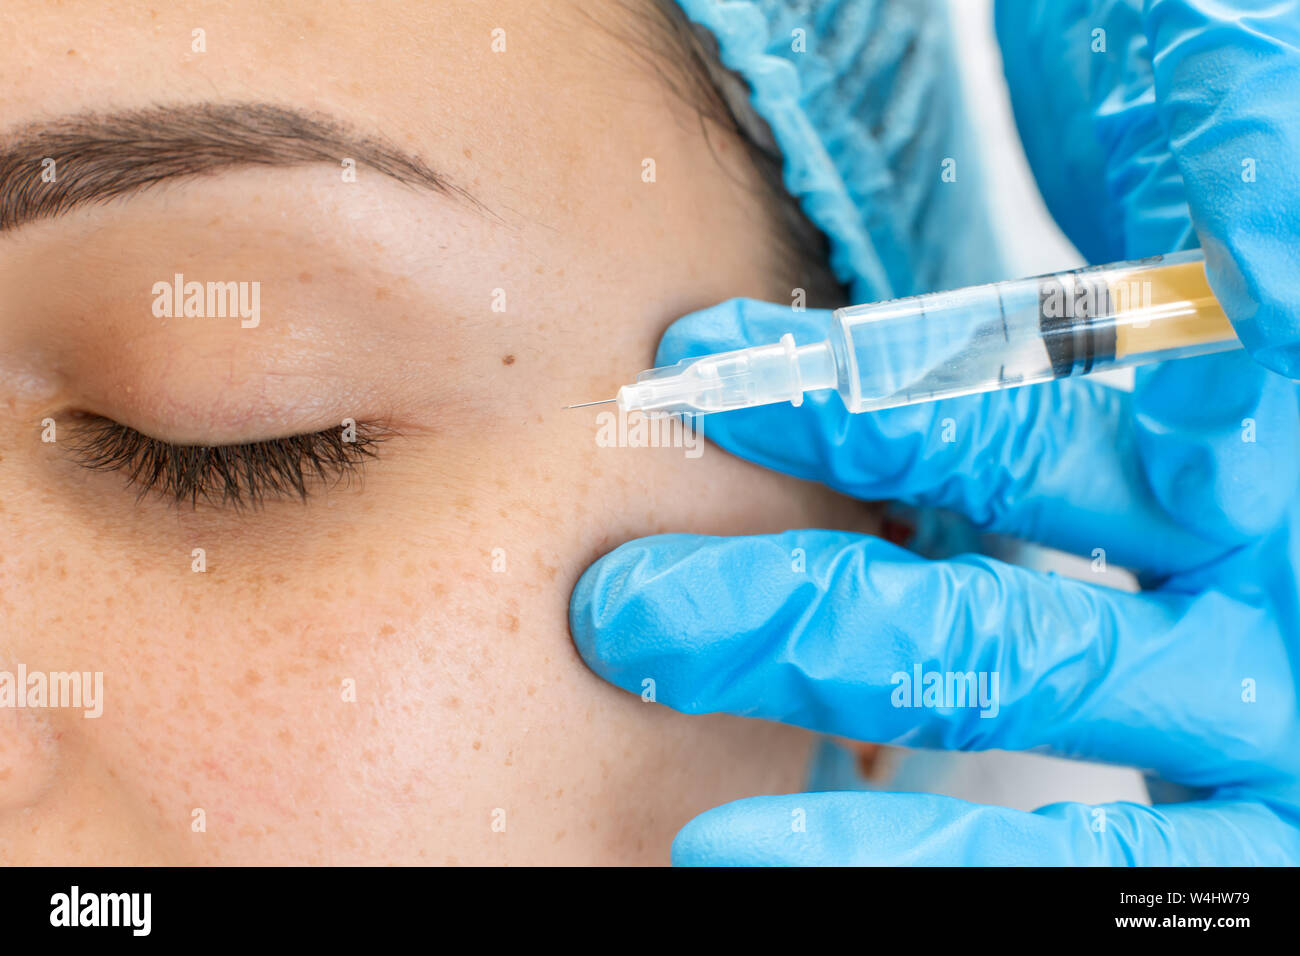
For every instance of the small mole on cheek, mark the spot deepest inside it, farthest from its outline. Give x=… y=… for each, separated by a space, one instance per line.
x=304 y=277
x=508 y=360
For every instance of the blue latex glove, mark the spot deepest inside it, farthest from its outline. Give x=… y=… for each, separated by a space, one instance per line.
x=1194 y=679
x=810 y=627
x=1199 y=92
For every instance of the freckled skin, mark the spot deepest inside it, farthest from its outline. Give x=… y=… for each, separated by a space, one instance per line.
x=378 y=675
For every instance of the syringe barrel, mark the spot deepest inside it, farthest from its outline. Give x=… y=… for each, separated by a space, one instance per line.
x=1026 y=331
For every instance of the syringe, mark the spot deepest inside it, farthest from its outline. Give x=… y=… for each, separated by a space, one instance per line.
x=977 y=339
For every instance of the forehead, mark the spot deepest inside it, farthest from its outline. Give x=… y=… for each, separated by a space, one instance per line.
x=548 y=117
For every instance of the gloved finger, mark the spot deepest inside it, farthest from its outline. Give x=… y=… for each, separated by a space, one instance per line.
x=1219 y=439
x=1054 y=464
x=1158 y=140
x=1227 y=89
x=915 y=829
x=852 y=636
x=1082 y=90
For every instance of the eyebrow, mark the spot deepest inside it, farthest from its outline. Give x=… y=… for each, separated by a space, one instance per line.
x=99 y=157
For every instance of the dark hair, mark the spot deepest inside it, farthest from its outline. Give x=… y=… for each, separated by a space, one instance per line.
x=686 y=57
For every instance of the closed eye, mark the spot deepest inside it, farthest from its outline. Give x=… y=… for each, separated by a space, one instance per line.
x=238 y=476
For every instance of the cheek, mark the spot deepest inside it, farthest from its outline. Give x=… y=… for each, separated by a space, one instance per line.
x=369 y=726
x=394 y=684
x=28 y=756
x=383 y=708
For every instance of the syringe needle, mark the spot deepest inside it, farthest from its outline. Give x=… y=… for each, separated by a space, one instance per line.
x=603 y=401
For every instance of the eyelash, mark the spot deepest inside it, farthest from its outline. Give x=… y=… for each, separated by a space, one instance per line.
x=228 y=475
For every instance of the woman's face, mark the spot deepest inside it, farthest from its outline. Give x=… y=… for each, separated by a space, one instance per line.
x=384 y=673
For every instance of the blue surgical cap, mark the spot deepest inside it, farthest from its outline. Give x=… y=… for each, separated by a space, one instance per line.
x=864 y=102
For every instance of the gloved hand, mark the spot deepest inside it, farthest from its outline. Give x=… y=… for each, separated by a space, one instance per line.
x=1192 y=480
x=1122 y=102
x=1194 y=680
